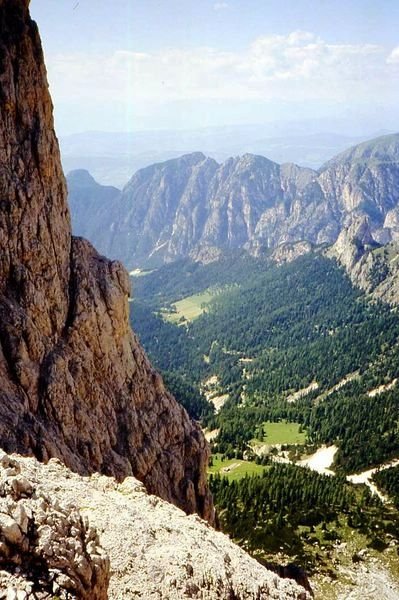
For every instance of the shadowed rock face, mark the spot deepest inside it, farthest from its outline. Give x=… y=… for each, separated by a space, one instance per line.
x=74 y=382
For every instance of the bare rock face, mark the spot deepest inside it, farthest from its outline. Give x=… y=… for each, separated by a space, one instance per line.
x=155 y=551
x=75 y=384
x=193 y=206
x=371 y=267
x=353 y=243
x=47 y=549
x=286 y=253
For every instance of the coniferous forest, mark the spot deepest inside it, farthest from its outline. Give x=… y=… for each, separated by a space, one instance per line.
x=271 y=331
x=295 y=343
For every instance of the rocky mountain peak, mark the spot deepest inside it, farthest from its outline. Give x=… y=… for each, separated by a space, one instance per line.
x=186 y=206
x=81 y=177
x=75 y=383
x=382 y=149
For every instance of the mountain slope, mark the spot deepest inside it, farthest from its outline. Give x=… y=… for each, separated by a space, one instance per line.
x=144 y=547
x=192 y=206
x=87 y=198
x=382 y=149
x=75 y=383
x=271 y=333
x=301 y=367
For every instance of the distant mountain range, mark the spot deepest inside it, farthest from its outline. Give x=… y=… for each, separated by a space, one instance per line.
x=194 y=206
x=112 y=157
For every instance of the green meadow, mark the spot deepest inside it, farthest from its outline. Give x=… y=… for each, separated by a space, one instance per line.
x=234 y=468
x=282 y=433
x=189 y=308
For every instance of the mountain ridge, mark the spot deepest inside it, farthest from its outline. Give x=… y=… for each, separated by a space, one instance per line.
x=380 y=148
x=193 y=206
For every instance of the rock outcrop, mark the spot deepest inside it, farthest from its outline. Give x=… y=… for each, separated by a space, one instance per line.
x=194 y=207
x=47 y=549
x=373 y=268
x=75 y=383
x=60 y=530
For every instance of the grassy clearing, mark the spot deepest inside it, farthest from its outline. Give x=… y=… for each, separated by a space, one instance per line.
x=283 y=433
x=234 y=468
x=189 y=308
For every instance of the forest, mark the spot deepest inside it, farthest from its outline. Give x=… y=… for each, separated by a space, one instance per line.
x=269 y=332
x=272 y=331
x=388 y=482
x=301 y=512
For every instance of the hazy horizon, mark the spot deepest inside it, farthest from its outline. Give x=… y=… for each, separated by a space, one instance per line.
x=183 y=65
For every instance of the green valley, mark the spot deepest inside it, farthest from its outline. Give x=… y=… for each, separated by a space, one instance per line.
x=307 y=367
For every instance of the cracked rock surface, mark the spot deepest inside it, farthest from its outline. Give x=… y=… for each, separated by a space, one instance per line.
x=47 y=549
x=75 y=383
x=156 y=551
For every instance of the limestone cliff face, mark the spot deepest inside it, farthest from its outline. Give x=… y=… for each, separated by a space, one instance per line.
x=192 y=206
x=75 y=384
x=371 y=267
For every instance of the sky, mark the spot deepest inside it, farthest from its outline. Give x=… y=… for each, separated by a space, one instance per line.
x=128 y=65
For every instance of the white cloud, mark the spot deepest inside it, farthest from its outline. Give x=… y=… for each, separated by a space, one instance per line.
x=220 y=5
x=298 y=67
x=393 y=58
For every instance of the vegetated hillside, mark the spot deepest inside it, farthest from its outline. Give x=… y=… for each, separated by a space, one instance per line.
x=388 y=481
x=192 y=206
x=184 y=278
x=300 y=344
x=296 y=509
x=275 y=331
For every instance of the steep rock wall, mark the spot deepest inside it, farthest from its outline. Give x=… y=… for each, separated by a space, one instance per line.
x=75 y=383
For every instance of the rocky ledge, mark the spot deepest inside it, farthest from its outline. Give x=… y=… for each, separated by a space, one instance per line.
x=94 y=538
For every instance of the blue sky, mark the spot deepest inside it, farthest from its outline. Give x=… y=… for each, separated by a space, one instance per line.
x=148 y=64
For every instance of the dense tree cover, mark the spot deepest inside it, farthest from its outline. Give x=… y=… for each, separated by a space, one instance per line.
x=170 y=347
x=239 y=424
x=388 y=481
x=367 y=429
x=274 y=332
x=380 y=269
x=300 y=322
x=184 y=278
x=271 y=332
x=294 y=495
x=286 y=503
x=189 y=396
